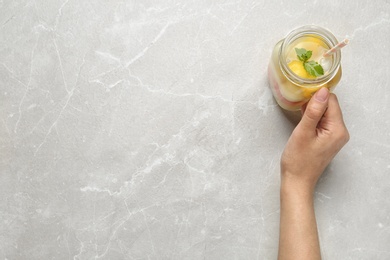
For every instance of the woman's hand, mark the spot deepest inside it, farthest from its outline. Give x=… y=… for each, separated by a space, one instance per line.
x=318 y=137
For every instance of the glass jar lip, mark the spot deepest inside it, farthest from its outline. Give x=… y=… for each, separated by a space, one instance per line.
x=328 y=38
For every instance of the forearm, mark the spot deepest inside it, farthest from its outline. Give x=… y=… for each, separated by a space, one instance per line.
x=298 y=227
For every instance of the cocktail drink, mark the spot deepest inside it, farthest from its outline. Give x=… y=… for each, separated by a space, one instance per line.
x=298 y=68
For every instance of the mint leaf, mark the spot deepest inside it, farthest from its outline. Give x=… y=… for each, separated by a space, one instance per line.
x=303 y=54
x=313 y=68
x=308 y=54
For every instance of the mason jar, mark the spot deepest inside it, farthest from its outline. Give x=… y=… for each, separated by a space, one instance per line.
x=290 y=89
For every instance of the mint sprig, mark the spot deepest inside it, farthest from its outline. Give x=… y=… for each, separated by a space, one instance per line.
x=312 y=67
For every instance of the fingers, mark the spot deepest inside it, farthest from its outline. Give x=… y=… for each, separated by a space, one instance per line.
x=303 y=109
x=333 y=120
x=334 y=110
x=315 y=109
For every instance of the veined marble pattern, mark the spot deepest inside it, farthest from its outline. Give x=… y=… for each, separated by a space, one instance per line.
x=146 y=129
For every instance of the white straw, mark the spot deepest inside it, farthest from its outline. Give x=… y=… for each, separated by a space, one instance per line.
x=336 y=48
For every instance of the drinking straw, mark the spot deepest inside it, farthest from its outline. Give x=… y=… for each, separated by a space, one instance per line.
x=336 y=48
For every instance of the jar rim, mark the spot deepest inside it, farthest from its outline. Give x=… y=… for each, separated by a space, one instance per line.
x=327 y=37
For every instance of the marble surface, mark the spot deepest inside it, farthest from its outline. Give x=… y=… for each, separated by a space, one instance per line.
x=146 y=129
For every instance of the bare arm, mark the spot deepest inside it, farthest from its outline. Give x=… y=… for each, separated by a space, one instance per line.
x=312 y=145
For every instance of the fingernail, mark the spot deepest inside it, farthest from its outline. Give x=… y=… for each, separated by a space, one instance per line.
x=322 y=95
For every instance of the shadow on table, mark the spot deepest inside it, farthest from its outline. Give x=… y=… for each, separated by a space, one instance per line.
x=293 y=116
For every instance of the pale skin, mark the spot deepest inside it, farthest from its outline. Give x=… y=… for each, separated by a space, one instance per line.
x=318 y=137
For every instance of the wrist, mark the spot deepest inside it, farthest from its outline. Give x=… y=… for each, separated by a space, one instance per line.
x=303 y=179
x=292 y=186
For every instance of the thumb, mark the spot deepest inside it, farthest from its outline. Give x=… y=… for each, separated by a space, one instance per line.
x=315 y=109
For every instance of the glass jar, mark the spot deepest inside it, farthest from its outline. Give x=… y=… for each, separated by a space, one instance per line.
x=290 y=90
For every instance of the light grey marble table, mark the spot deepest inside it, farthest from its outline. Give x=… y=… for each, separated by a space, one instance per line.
x=146 y=129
